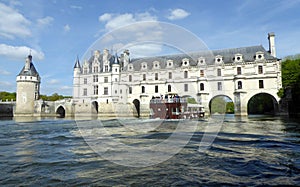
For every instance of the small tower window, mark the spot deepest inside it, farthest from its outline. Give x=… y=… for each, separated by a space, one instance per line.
x=130 y=78
x=170 y=75
x=105 y=79
x=143 y=89
x=219 y=72
x=156 y=76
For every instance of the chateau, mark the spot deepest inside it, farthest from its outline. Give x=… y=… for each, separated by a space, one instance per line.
x=108 y=85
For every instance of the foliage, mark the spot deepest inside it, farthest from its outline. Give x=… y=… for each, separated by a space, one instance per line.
x=191 y=100
x=260 y=104
x=220 y=105
x=291 y=72
x=7 y=96
x=53 y=97
x=230 y=107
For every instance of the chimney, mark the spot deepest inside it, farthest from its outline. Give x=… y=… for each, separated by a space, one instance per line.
x=272 y=50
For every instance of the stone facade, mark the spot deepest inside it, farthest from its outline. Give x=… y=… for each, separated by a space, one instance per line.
x=107 y=83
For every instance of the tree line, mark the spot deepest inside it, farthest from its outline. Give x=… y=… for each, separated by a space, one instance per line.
x=12 y=96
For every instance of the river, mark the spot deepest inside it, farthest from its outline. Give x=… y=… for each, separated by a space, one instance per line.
x=252 y=151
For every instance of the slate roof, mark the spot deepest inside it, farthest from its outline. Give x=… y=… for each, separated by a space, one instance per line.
x=31 y=72
x=248 y=54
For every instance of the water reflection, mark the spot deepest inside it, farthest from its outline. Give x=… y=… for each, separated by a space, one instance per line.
x=246 y=152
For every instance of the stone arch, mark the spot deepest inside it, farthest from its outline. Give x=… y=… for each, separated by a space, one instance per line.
x=60 y=112
x=267 y=107
x=137 y=105
x=221 y=107
x=95 y=107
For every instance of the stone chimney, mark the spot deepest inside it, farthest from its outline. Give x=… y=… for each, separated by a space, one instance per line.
x=272 y=50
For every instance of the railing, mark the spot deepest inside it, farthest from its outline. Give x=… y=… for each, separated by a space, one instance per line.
x=168 y=100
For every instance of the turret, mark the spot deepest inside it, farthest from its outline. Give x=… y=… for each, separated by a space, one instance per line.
x=76 y=78
x=28 y=89
x=272 y=49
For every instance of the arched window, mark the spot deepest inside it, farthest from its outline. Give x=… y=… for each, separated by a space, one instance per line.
x=240 y=85
x=201 y=86
x=169 y=88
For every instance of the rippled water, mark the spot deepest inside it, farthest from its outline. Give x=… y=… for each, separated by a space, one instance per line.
x=251 y=151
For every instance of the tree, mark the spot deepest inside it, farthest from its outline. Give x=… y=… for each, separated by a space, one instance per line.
x=7 y=96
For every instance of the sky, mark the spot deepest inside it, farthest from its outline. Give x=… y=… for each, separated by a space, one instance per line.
x=56 y=32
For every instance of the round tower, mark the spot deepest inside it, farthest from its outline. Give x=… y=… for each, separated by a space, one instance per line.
x=76 y=79
x=28 y=89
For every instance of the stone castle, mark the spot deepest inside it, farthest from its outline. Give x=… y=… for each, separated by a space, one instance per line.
x=110 y=85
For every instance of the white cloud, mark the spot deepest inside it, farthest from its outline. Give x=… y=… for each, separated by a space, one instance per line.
x=12 y=23
x=105 y=17
x=53 y=81
x=113 y=21
x=76 y=7
x=178 y=13
x=19 y=52
x=4 y=72
x=67 y=28
x=42 y=22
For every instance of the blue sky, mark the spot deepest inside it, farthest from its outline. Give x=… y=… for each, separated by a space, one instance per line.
x=56 y=31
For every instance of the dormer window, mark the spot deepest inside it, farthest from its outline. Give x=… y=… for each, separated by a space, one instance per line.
x=130 y=67
x=185 y=62
x=201 y=61
x=218 y=59
x=238 y=58
x=156 y=65
x=144 y=66
x=259 y=56
x=169 y=63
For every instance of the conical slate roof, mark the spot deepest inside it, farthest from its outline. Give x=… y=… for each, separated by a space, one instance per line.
x=31 y=72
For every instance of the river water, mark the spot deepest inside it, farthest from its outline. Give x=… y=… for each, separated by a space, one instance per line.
x=253 y=151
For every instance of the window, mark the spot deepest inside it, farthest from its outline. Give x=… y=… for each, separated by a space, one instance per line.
x=219 y=85
x=105 y=68
x=116 y=79
x=170 y=75
x=156 y=76
x=85 y=70
x=116 y=70
x=185 y=74
x=240 y=85
x=120 y=91
x=156 y=89
x=143 y=89
x=96 y=90
x=105 y=91
x=239 y=70
x=130 y=78
x=261 y=84
x=186 y=87
x=169 y=88
x=116 y=91
x=201 y=73
x=144 y=77
x=106 y=79
x=84 y=92
x=95 y=69
x=130 y=90
x=260 y=69
x=95 y=78
x=201 y=86
x=219 y=73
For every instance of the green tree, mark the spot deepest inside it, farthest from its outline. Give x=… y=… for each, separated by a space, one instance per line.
x=7 y=96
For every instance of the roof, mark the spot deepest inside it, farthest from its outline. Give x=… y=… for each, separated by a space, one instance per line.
x=31 y=71
x=248 y=54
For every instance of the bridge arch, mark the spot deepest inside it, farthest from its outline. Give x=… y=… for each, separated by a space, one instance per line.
x=222 y=105
x=262 y=103
x=137 y=105
x=95 y=107
x=60 y=111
